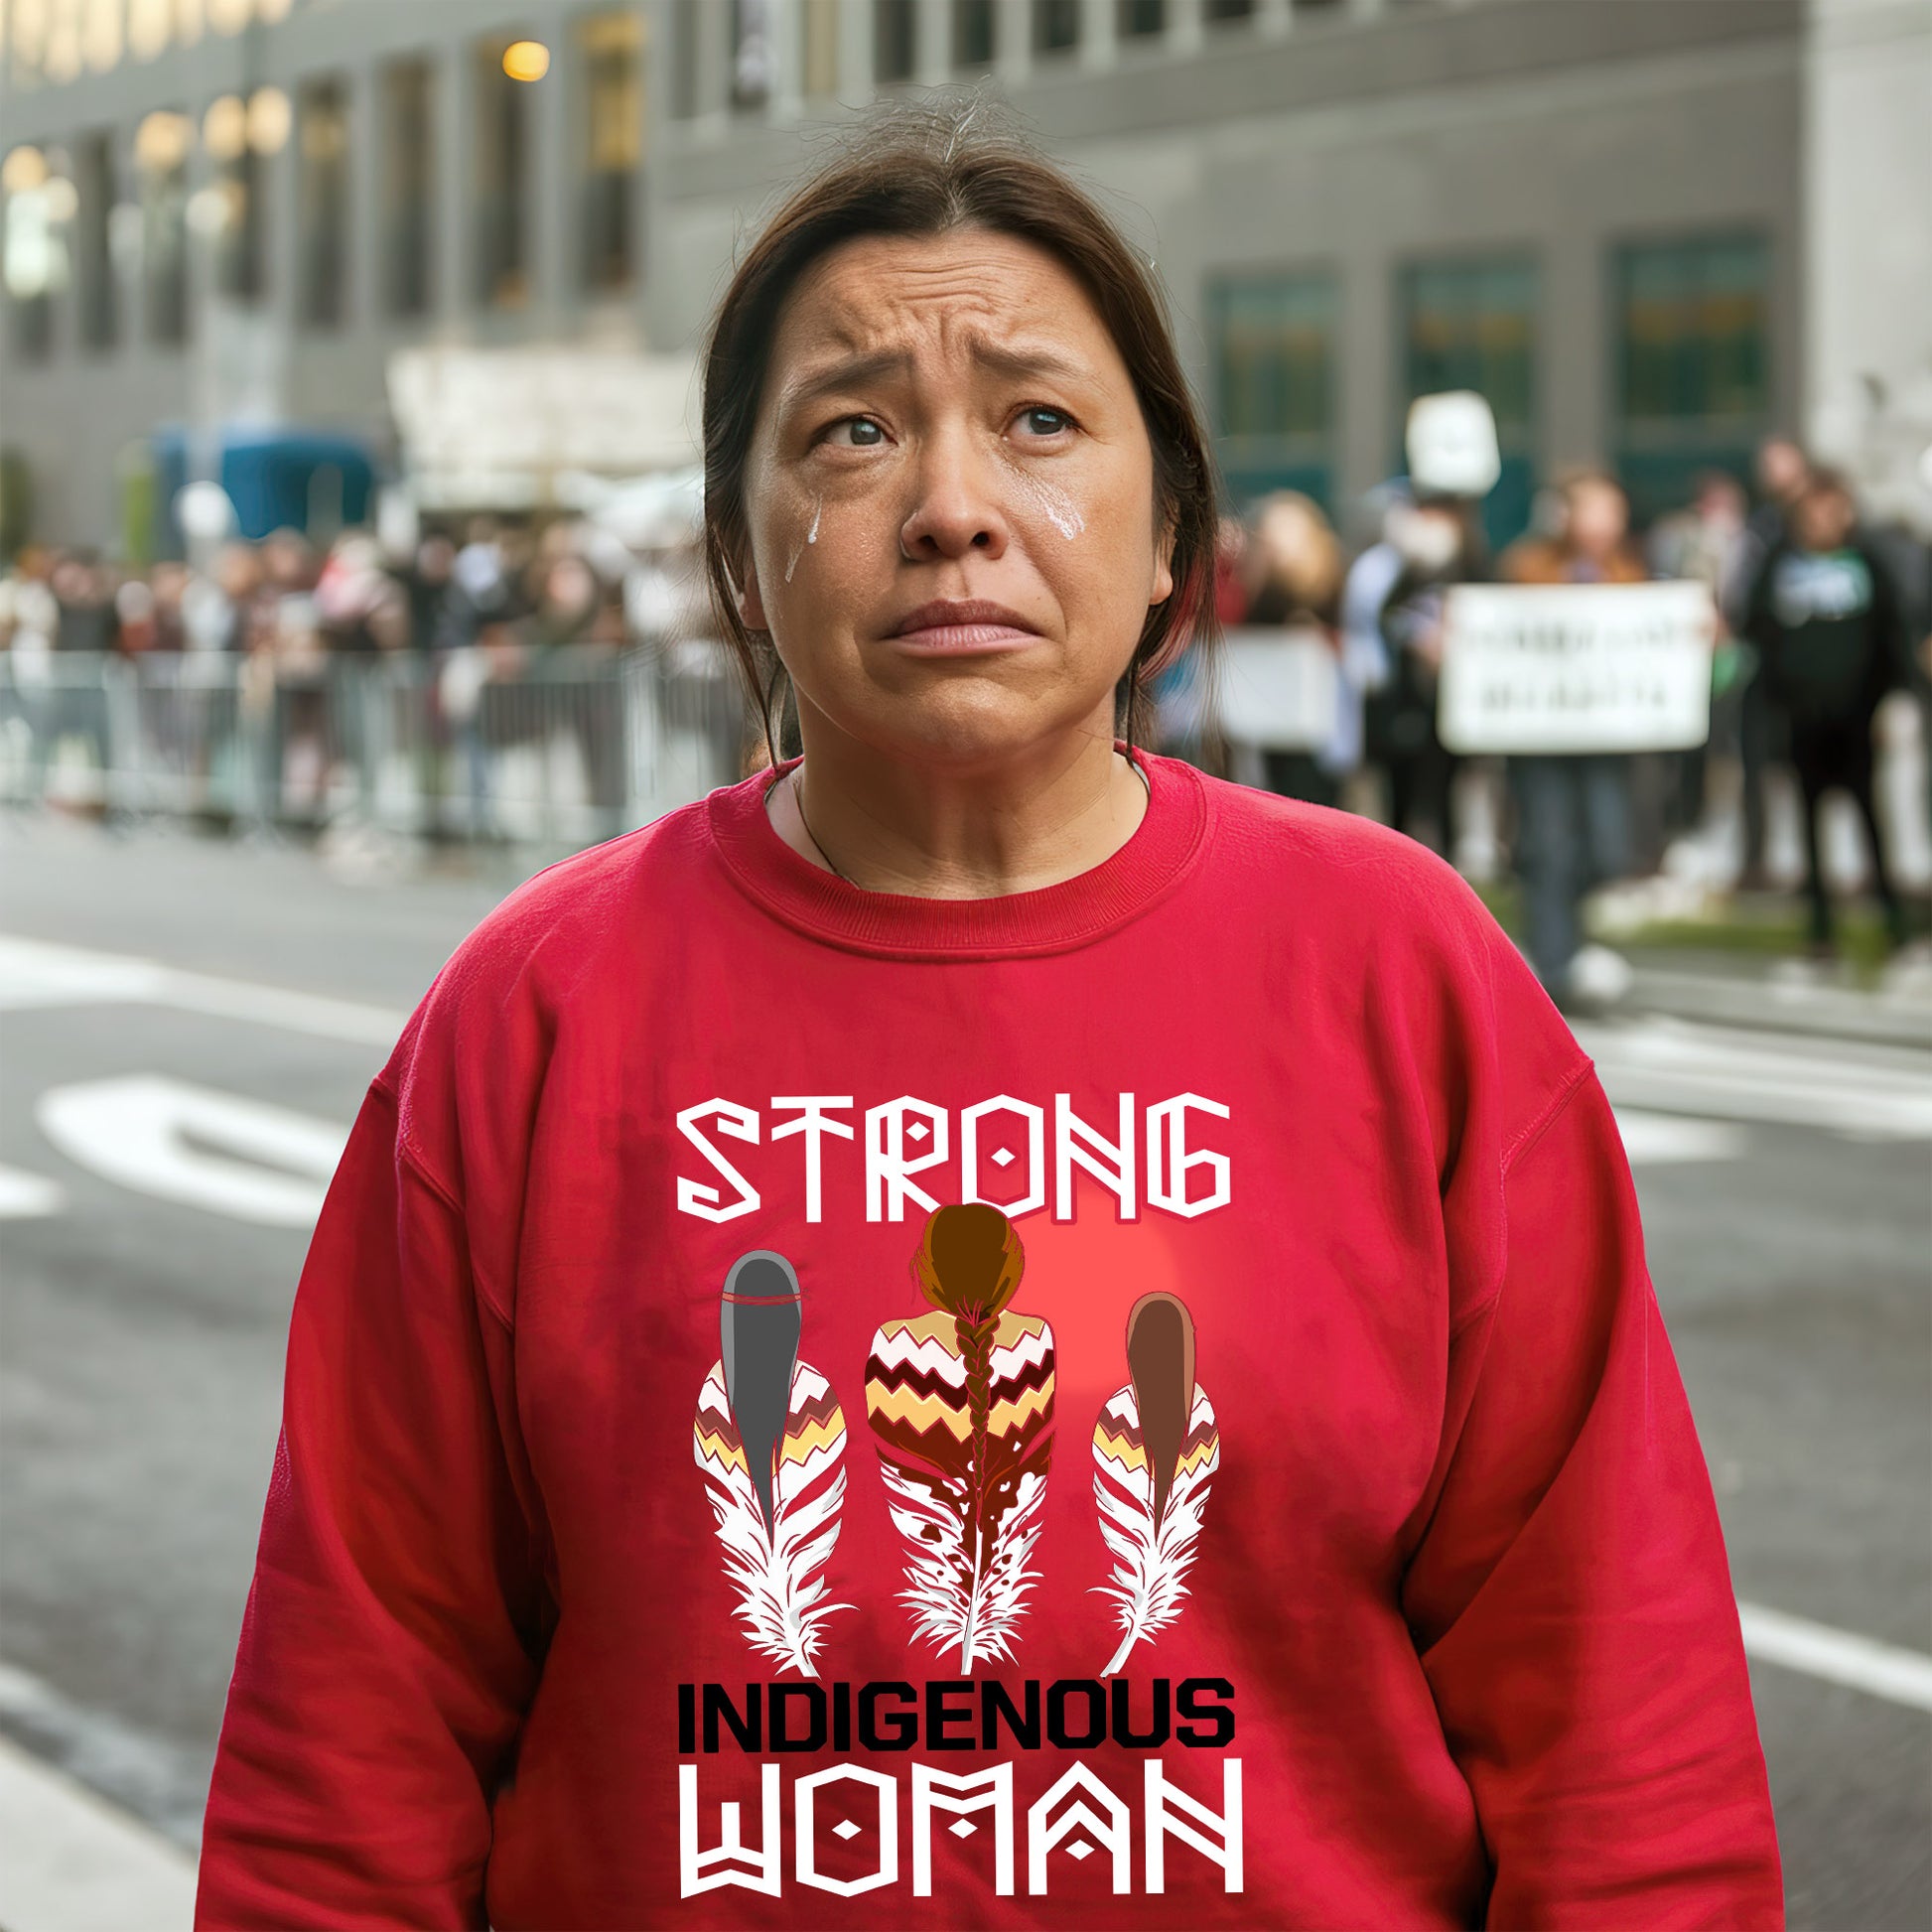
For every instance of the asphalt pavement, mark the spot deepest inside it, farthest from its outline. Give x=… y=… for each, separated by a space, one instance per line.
x=187 y=1029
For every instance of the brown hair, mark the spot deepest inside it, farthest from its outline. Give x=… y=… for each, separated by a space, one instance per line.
x=925 y=170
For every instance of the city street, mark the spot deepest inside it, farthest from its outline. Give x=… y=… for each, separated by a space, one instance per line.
x=188 y=1028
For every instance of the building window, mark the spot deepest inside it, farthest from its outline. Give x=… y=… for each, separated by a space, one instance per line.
x=820 y=27
x=502 y=134
x=972 y=33
x=95 y=182
x=1056 y=26
x=408 y=187
x=613 y=139
x=750 y=52
x=1273 y=342
x=147 y=28
x=60 y=59
x=322 y=202
x=238 y=269
x=25 y=47
x=687 y=28
x=1141 y=19
x=1692 y=379
x=1471 y=325
x=36 y=204
x=161 y=167
x=892 y=40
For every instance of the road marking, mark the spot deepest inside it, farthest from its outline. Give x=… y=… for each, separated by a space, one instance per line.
x=175 y=1141
x=1662 y=1140
x=1881 y=1670
x=26 y=1196
x=33 y=973
x=70 y=1861
x=1656 y=1064
x=1676 y=1066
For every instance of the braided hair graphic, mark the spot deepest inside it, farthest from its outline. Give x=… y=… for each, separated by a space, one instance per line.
x=961 y=1406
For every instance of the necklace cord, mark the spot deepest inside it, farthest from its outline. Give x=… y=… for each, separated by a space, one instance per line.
x=798 y=799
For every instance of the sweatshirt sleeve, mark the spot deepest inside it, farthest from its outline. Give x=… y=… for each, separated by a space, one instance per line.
x=1570 y=1594
x=389 y=1643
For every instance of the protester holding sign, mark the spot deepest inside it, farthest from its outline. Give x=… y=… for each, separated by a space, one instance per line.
x=1573 y=812
x=1295 y=588
x=1440 y=544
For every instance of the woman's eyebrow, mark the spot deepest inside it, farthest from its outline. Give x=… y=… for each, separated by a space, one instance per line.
x=850 y=373
x=854 y=371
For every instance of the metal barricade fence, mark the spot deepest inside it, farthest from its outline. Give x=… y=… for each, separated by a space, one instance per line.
x=555 y=749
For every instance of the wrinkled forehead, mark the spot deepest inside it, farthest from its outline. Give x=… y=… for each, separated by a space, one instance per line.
x=944 y=306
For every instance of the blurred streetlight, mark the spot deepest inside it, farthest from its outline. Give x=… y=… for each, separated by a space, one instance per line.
x=526 y=59
x=225 y=128
x=269 y=120
x=162 y=141
x=23 y=170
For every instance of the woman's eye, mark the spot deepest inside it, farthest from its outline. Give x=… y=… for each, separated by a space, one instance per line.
x=1061 y=419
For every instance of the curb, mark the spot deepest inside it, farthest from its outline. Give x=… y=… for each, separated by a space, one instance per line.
x=1773 y=1006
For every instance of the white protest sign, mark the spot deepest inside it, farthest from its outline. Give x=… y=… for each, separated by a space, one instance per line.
x=1576 y=667
x=1277 y=689
x=1451 y=440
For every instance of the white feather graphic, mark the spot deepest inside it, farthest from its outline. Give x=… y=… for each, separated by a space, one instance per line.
x=1151 y=1561
x=977 y=1617
x=779 y=1574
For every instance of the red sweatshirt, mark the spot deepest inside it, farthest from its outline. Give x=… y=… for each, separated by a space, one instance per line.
x=1133 y=1404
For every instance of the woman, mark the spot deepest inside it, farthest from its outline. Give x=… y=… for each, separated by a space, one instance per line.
x=980 y=1330
x=1439 y=544
x=1296 y=573
x=1573 y=810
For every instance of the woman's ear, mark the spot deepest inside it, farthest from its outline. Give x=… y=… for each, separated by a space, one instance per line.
x=1162 y=564
x=750 y=606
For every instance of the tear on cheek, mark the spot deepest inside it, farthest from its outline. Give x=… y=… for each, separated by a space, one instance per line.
x=1052 y=503
x=811 y=536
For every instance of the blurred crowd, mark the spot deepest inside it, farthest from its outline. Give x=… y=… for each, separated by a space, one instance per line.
x=517 y=589
x=496 y=634
x=1820 y=616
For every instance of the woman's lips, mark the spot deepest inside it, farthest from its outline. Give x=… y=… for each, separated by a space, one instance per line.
x=963 y=639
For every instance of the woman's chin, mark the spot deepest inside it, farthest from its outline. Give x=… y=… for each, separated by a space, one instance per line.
x=963 y=726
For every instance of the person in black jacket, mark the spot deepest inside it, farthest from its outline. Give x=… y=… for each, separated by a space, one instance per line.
x=1827 y=619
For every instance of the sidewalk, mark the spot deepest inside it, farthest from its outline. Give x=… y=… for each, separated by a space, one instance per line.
x=1739 y=959
x=1782 y=995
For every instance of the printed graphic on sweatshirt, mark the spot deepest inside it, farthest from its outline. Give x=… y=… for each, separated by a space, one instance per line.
x=769 y=1441
x=1156 y=1449
x=961 y=1406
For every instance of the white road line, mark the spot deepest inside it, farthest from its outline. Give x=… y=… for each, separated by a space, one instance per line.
x=70 y=1861
x=1663 y=1139
x=1847 y=1087
x=26 y=1196
x=198 y=1146
x=1881 y=1670
x=1660 y=1065
x=33 y=973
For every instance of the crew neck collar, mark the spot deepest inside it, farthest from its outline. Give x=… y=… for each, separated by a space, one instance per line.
x=1051 y=918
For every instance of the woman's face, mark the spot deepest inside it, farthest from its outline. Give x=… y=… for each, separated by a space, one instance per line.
x=947 y=420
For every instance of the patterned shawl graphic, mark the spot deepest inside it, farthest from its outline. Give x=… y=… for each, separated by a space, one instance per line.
x=769 y=1440
x=1156 y=1449
x=961 y=1406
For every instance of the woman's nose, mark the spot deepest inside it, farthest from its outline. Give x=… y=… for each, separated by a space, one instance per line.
x=957 y=505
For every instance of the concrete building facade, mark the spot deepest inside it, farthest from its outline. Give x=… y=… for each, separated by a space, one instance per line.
x=1650 y=233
